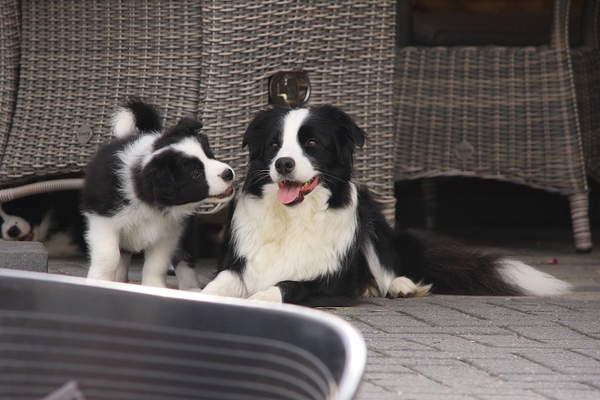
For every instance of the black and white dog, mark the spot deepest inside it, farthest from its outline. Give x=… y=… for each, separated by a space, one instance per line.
x=50 y=218
x=139 y=190
x=303 y=231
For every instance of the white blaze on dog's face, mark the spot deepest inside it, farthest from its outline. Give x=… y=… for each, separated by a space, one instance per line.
x=300 y=152
x=217 y=174
x=15 y=228
x=291 y=170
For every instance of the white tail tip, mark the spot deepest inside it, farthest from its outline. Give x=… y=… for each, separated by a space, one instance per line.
x=530 y=280
x=123 y=123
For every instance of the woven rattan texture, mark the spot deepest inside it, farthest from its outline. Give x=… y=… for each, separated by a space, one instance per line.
x=489 y=112
x=506 y=113
x=10 y=52
x=80 y=60
x=345 y=47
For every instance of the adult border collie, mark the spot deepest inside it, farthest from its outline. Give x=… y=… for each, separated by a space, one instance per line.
x=303 y=231
x=139 y=190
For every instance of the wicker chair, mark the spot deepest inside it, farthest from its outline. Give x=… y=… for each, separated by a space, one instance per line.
x=10 y=52
x=212 y=59
x=505 y=113
x=78 y=61
x=586 y=67
x=345 y=47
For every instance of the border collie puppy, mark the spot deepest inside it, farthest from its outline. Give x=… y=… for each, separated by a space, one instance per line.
x=50 y=218
x=303 y=231
x=140 y=188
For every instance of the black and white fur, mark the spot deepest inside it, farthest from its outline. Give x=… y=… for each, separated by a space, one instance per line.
x=50 y=218
x=140 y=188
x=303 y=231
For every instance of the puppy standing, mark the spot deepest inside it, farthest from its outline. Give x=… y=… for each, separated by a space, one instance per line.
x=139 y=190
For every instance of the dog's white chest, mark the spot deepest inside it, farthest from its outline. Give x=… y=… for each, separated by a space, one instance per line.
x=142 y=226
x=300 y=242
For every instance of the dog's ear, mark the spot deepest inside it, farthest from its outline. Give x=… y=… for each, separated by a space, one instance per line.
x=256 y=133
x=347 y=126
x=347 y=133
x=186 y=126
x=164 y=186
x=156 y=183
x=356 y=133
x=261 y=129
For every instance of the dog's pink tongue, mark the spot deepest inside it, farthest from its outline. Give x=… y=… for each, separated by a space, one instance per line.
x=288 y=192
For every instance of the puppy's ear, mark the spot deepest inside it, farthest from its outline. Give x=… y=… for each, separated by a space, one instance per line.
x=156 y=183
x=186 y=126
x=164 y=186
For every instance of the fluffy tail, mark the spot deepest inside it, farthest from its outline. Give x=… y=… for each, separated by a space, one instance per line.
x=134 y=117
x=453 y=269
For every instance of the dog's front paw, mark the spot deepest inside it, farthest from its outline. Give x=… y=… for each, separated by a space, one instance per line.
x=271 y=295
x=226 y=283
x=404 y=287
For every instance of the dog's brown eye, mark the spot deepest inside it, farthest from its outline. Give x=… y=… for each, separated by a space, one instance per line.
x=311 y=143
x=196 y=172
x=274 y=144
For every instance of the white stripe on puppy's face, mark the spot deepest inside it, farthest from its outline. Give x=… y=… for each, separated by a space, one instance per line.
x=290 y=147
x=213 y=169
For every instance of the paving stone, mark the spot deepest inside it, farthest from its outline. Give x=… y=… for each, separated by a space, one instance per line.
x=26 y=256
x=510 y=393
x=508 y=365
x=582 y=348
x=459 y=375
x=561 y=360
x=517 y=377
x=511 y=340
x=386 y=365
x=369 y=390
x=569 y=394
x=451 y=344
x=543 y=333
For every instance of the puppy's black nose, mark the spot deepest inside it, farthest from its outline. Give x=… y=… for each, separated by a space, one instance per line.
x=285 y=165
x=227 y=175
x=13 y=231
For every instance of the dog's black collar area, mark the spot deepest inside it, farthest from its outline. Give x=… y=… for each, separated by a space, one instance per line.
x=290 y=193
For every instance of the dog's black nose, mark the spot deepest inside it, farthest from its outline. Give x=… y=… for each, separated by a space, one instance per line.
x=13 y=231
x=285 y=165
x=227 y=175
